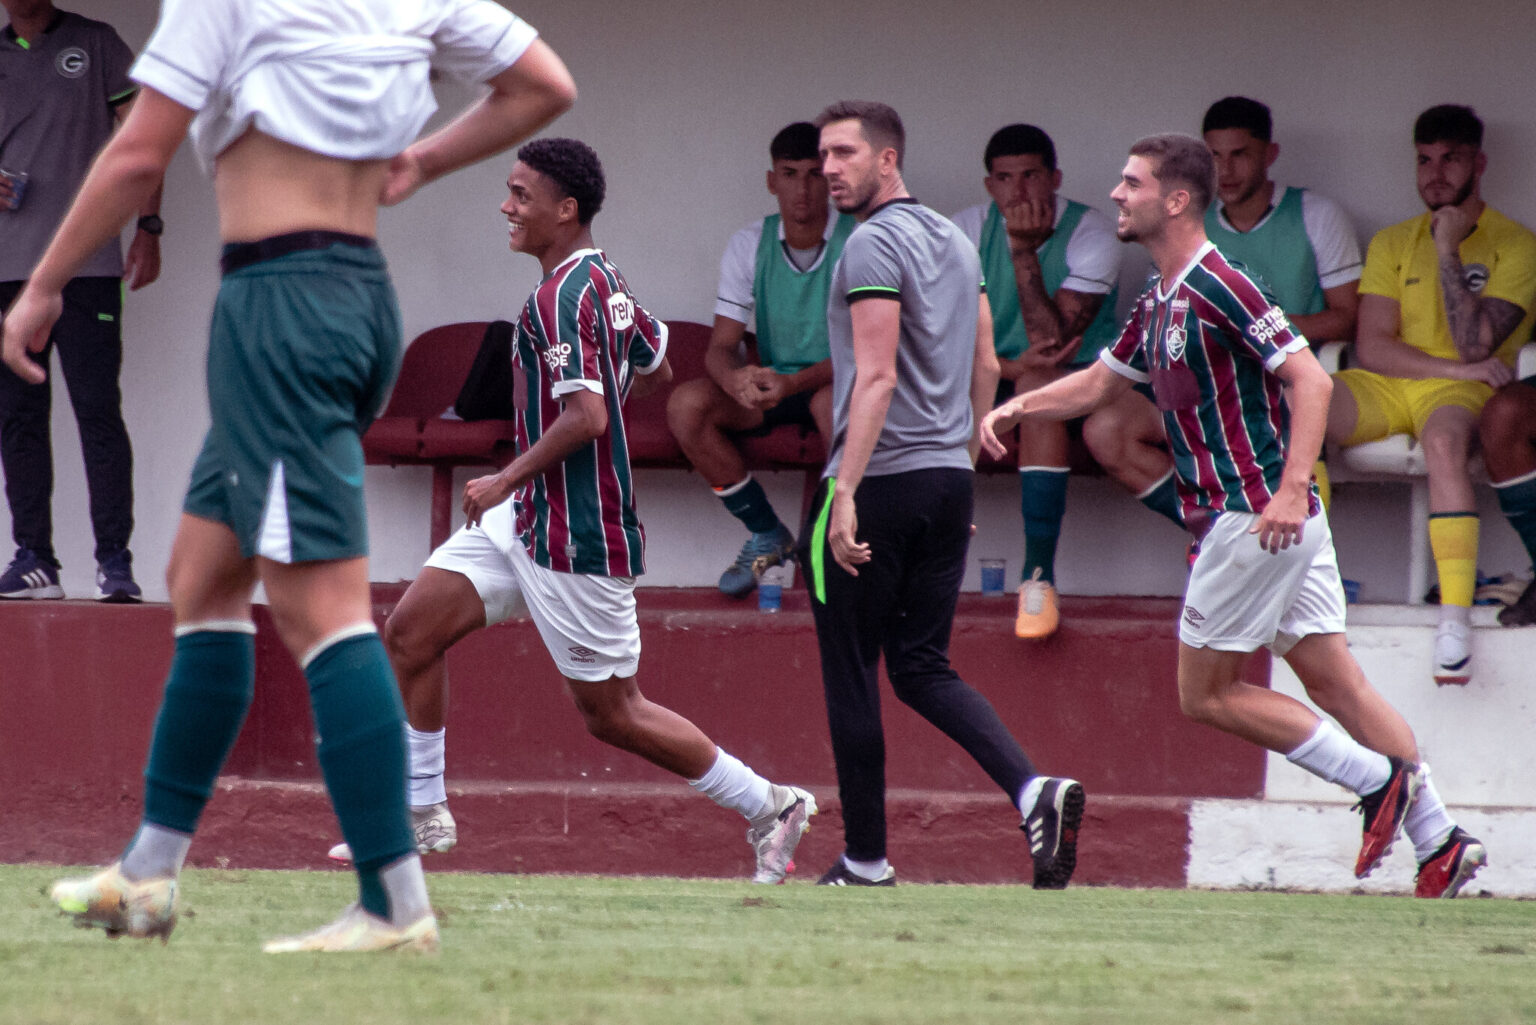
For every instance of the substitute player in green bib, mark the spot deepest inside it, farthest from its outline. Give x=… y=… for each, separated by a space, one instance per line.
x=1051 y=266
x=306 y=113
x=774 y=275
x=1300 y=244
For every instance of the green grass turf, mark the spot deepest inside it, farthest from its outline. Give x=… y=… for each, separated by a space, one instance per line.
x=614 y=951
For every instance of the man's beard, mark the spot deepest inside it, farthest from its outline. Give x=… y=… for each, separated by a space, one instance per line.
x=862 y=199
x=1462 y=195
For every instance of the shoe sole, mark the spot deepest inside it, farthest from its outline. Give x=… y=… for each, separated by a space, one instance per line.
x=35 y=594
x=116 y=924
x=342 y=854
x=119 y=598
x=1413 y=782
x=1069 y=820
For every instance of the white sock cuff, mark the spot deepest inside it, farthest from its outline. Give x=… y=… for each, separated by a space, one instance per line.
x=1524 y=478
x=1319 y=736
x=215 y=626
x=731 y=784
x=426 y=752
x=1155 y=485
x=1030 y=793
x=1045 y=469
x=716 y=771
x=728 y=491
x=346 y=633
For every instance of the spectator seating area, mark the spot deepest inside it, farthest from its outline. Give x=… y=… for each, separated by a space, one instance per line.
x=418 y=426
x=1400 y=458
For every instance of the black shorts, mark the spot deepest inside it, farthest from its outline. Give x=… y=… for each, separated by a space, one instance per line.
x=792 y=409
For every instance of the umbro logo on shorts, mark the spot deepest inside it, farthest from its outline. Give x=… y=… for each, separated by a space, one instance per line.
x=585 y=656
x=1193 y=616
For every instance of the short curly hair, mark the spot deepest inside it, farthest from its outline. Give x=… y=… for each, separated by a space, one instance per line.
x=574 y=169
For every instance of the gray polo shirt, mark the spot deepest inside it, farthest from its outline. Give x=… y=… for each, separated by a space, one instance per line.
x=908 y=252
x=58 y=94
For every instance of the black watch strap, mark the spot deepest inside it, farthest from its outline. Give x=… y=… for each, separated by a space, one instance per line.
x=152 y=224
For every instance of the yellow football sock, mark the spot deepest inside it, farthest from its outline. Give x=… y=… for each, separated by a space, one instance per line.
x=1453 y=539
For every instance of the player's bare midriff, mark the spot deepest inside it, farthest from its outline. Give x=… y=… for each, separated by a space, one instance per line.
x=268 y=187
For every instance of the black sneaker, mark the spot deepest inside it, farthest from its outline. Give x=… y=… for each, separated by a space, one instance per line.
x=114 y=580
x=1384 y=811
x=841 y=875
x=1523 y=611
x=1051 y=827
x=30 y=576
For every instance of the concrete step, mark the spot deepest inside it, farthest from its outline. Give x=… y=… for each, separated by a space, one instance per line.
x=615 y=829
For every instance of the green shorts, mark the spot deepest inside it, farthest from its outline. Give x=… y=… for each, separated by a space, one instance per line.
x=302 y=353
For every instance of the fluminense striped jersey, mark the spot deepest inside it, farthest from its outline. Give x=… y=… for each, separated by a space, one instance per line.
x=1208 y=342
x=581 y=329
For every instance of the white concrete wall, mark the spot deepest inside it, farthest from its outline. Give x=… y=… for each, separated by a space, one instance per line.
x=680 y=98
x=1303 y=835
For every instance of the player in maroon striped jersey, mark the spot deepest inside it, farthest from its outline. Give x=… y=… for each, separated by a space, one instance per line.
x=1244 y=405
x=556 y=532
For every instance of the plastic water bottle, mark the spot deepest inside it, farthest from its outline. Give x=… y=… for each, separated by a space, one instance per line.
x=770 y=589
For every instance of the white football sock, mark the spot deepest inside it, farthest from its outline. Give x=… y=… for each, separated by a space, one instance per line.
x=1030 y=794
x=1428 y=823
x=155 y=852
x=1335 y=756
x=406 y=887
x=870 y=870
x=426 y=766
x=730 y=784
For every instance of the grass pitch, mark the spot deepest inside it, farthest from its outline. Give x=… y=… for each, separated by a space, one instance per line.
x=610 y=951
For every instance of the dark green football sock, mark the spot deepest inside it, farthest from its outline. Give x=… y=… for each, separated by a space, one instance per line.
x=749 y=504
x=1043 y=500
x=361 y=723
x=1163 y=498
x=1517 y=499
x=207 y=693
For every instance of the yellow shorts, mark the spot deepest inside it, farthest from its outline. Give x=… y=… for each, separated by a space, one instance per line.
x=1401 y=405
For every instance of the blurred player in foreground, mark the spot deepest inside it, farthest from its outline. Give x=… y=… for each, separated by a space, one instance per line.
x=305 y=112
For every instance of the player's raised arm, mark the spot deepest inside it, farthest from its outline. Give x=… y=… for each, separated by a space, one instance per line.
x=524 y=98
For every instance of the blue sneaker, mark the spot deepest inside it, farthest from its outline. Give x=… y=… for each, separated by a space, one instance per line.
x=761 y=552
x=29 y=576
x=114 y=580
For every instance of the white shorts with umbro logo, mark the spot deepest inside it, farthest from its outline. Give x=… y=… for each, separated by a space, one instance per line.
x=588 y=623
x=1242 y=598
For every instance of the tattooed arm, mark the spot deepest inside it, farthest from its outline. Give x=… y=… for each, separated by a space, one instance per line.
x=1055 y=324
x=1478 y=325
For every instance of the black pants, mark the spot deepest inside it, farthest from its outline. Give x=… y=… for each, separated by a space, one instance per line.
x=902 y=603
x=89 y=339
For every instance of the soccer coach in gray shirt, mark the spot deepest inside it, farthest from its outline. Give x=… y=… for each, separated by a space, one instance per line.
x=913 y=371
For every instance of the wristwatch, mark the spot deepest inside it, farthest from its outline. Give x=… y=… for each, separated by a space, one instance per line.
x=151 y=225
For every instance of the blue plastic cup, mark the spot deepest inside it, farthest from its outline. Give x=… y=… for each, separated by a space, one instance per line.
x=993 y=573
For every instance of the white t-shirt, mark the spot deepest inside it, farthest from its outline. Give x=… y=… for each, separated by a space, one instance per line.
x=1093 y=251
x=342 y=78
x=1328 y=229
x=735 y=296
